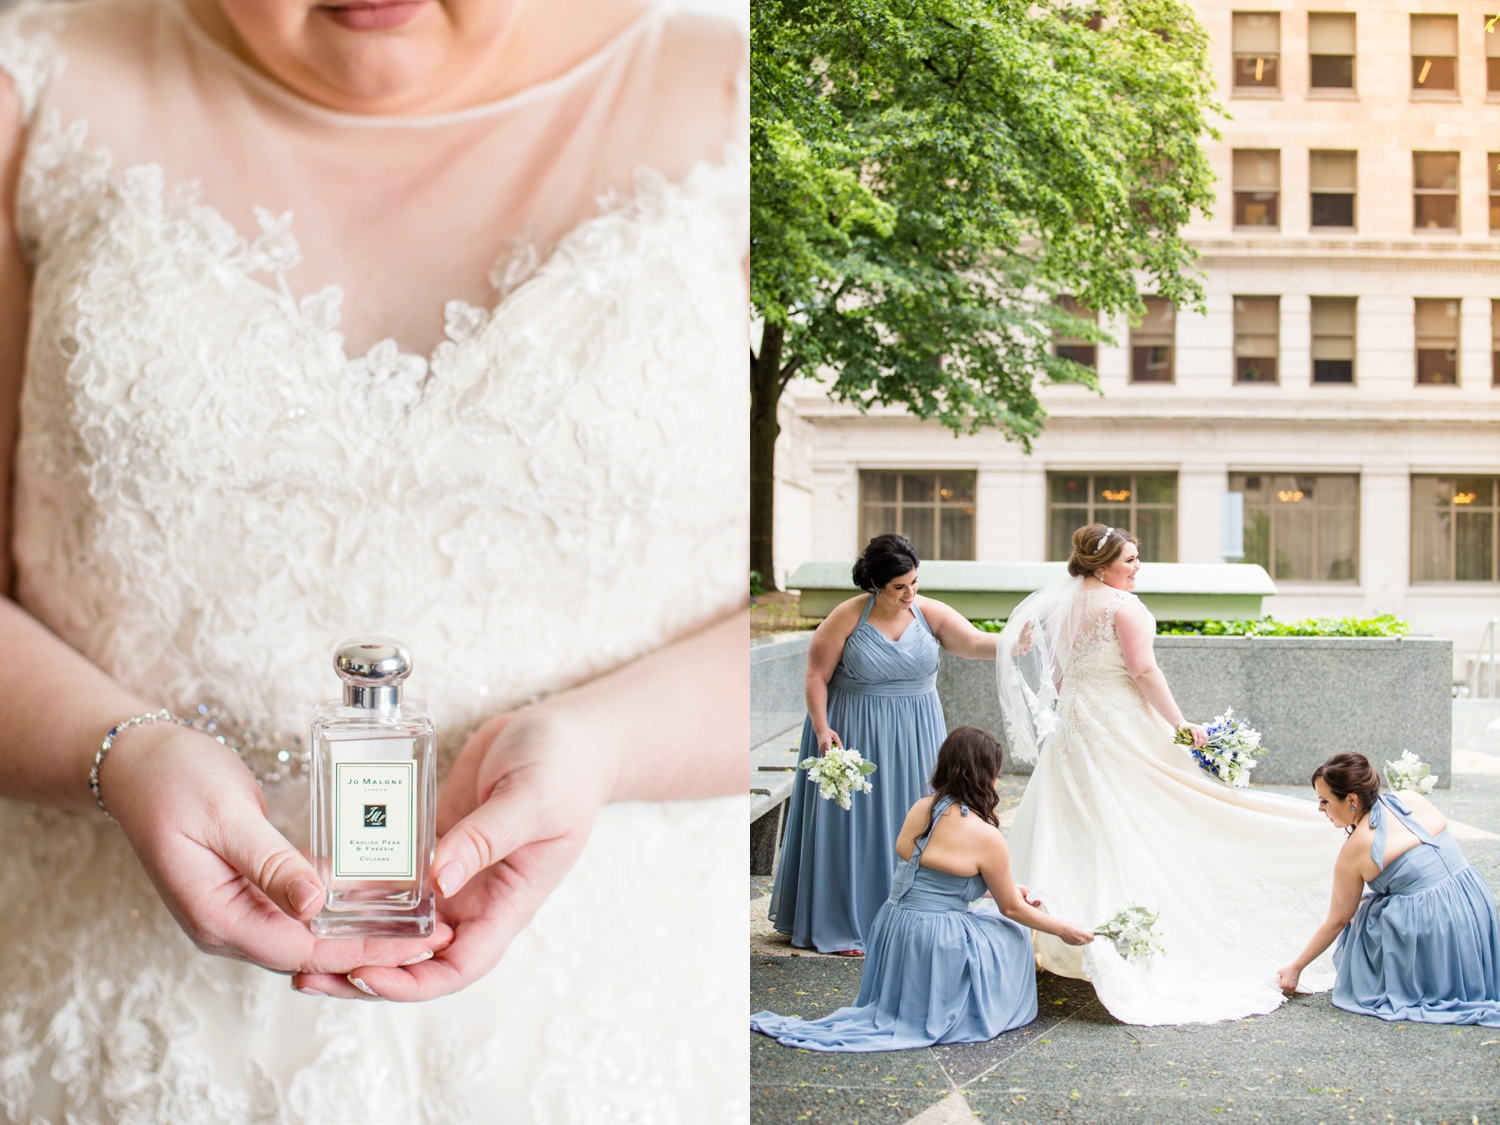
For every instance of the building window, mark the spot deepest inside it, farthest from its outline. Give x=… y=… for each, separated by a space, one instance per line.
x=1453 y=528
x=1151 y=344
x=1076 y=348
x=1434 y=55
x=1143 y=503
x=1332 y=174
x=1494 y=161
x=1256 y=337
x=1437 y=341
x=1491 y=59
x=1330 y=47
x=935 y=510
x=1495 y=343
x=1257 y=187
x=1301 y=528
x=1257 y=49
x=1435 y=190
x=1333 y=339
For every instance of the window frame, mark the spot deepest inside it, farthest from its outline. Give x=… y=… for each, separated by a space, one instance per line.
x=1136 y=347
x=1417 y=337
x=1242 y=196
x=937 y=505
x=1313 y=191
x=1241 y=306
x=1421 y=64
x=1257 y=88
x=1108 y=513
x=1455 y=193
x=1352 y=89
x=1353 y=342
x=1238 y=482
x=1071 y=305
x=1417 y=513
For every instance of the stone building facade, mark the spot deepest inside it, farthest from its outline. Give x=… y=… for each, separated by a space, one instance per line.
x=1344 y=377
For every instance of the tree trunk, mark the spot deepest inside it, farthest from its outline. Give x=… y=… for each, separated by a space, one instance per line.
x=766 y=383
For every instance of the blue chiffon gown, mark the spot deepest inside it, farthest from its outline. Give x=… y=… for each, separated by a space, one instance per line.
x=1425 y=942
x=935 y=972
x=835 y=867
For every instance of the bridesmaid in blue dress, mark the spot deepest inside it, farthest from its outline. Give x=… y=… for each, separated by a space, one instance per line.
x=937 y=972
x=1424 y=943
x=872 y=687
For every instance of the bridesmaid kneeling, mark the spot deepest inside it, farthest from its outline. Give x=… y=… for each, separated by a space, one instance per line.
x=1424 y=943
x=935 y=972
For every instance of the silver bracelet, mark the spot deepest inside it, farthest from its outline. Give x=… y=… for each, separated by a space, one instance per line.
x=162 y=716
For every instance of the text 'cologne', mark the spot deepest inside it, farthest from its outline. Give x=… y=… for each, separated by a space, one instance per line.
x=374 y=800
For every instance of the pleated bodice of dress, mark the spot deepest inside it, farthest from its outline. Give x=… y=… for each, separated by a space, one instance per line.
x=873 y=664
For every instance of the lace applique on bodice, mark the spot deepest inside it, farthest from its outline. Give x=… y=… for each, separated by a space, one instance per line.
x=1096 y=648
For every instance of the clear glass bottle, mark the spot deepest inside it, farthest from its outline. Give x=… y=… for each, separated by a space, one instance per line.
x=374 y=798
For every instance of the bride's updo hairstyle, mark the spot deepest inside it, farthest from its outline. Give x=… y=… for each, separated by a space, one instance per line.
x=1350 y=774
x=968 y=763
x=1095 y=547
x=885 y=557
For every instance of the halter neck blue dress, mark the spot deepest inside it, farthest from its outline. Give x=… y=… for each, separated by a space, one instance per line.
x=935 y=972
x=1425 y=942
x=835 y=869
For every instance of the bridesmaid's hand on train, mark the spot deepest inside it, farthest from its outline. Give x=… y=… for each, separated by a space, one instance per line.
x=1025 y=893
x=1287 y=978
x=827 y=739
x=1024 y=641
x=1075 y=936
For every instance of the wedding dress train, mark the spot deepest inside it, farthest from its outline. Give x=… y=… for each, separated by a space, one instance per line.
x=1118 y=814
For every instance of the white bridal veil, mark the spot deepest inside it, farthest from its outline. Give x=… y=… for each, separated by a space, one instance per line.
x=1038 y=644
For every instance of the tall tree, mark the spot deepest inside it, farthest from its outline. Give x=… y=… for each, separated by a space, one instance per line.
x=928 y=175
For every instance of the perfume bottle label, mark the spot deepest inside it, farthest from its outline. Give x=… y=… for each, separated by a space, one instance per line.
x=374 y=815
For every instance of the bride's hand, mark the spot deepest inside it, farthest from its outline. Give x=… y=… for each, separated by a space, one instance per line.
x=512 y=818
x=1200 y=735
x=1287 y=978
x=197 y=820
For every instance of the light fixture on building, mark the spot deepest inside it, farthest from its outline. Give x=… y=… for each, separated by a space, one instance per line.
x=1290 y=497
x=1463 y=497
x=1117 y=497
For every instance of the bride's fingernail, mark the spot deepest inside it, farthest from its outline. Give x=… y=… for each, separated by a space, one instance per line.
x=362 y=986
x=450 y=878
x=310 y=991
x=425 y=955
x=302 y=894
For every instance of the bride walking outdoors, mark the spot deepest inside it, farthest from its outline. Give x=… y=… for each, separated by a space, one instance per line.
x=1117 y=813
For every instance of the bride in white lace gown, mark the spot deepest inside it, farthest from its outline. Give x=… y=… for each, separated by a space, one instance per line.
x=1116 y=813
x=397 y=317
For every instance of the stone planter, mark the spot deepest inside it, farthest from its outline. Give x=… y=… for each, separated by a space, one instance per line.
x=1310 y=697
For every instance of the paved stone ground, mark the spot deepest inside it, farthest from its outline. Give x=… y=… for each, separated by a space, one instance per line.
x=1306 y=1062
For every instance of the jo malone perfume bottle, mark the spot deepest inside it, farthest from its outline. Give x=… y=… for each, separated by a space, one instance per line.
x=374 y=800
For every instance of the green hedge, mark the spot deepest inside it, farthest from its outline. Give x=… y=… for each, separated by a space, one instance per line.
x=1385 y=625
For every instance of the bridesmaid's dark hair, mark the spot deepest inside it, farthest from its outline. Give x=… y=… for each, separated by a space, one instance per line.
x=1095 y=547
x=885 y=557
x=1350 y=774
x=968 y=762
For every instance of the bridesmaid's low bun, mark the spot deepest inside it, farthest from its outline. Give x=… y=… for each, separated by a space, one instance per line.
x=1350 y=774
x=1095 y=547
x=885 y=557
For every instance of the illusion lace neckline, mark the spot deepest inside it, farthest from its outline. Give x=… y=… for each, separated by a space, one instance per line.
x=323 y=115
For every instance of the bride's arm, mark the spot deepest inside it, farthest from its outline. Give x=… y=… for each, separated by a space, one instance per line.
x=1133 y=627
x=1348 y=886
x=956 y=633
x=522 y=797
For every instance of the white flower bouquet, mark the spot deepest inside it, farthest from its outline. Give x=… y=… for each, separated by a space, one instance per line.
x=1134 y=933
x=1232 y=749
x=1410 y=773
x=839 y=774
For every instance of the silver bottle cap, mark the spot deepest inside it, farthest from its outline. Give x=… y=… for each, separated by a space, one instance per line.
x=372 y=669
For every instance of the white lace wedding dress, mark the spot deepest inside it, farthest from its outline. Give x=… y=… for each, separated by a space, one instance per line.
x=1117 y=814
x=476 y=380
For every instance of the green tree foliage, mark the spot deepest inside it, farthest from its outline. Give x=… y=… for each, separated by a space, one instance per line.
x=927 y=175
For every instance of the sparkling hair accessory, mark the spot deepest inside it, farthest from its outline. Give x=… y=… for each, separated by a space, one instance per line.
x=1103 y=539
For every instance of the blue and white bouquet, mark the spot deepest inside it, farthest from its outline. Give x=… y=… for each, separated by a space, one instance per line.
x=1134 y=933
x=1410 y=773
x=839 y=774
x=1231 y=751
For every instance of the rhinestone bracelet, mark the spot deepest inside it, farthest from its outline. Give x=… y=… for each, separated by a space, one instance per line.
x=272 y=757
x=162 y=716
